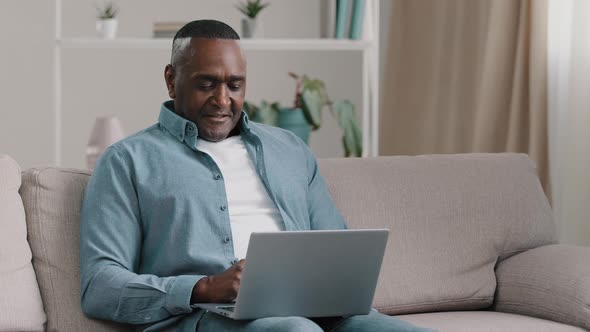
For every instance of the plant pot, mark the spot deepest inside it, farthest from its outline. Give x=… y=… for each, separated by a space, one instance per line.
x=249 y=26
x=257 y=118
x=107 y=28
x=292 y=119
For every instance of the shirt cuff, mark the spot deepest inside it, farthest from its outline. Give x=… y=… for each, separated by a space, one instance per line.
x=179 y=295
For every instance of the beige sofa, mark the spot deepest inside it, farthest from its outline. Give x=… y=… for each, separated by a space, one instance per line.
x=472 y=244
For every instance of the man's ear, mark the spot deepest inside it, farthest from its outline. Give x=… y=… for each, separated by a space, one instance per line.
x=169 y=76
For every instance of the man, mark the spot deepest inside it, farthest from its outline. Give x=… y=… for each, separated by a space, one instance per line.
x=168 y=211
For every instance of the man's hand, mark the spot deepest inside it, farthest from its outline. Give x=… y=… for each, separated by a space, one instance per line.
x=219 y=288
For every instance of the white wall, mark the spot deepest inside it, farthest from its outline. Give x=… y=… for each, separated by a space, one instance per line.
x=26 y=114
x=129 y=83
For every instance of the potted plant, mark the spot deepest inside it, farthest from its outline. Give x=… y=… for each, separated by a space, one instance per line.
x=107 y=20
x=305 y=115
x=251 y=9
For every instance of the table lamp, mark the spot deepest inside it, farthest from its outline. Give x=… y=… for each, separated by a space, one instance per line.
x=106 y=131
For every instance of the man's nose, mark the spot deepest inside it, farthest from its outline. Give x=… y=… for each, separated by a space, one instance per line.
x=221 y=97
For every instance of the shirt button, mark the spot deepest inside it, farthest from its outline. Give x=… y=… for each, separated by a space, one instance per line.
x=217 y=176
x=235 y=261
x=226 y=240
x=223 y=208
x=190 y=128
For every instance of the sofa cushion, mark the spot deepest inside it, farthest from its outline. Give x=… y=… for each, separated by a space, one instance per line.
x=550 y=282
x=52 y=199
x=486 y=321
x=451 y=217
x=21 y=308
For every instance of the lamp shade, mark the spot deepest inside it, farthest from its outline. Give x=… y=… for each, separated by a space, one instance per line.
x=106 y=131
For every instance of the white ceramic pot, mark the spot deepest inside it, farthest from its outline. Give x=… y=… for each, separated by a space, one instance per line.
x=249 y=27
x=107 y=28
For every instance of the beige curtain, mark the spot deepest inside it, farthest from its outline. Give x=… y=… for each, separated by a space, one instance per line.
x=466 y=76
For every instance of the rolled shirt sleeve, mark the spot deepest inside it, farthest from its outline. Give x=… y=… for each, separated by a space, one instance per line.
x=110 y=251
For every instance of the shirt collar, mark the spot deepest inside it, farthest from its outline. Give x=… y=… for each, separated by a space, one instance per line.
x=185 y=130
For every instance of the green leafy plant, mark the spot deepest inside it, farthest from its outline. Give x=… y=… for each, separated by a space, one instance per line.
x=107 y=11
x=252 y=8
x=311 y=96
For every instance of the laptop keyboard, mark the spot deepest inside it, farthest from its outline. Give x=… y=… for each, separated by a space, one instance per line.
x=227 y=308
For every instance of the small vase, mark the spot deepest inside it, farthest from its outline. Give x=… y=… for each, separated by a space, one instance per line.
x=294 y=120
x=107 y=28
x=248 y=27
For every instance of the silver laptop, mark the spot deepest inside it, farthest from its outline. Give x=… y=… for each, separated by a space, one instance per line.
x=307 y=274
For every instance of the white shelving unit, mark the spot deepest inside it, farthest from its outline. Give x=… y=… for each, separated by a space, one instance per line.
x=370 y=66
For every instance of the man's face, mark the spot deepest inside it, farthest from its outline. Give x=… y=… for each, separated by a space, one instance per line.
x=208 y=86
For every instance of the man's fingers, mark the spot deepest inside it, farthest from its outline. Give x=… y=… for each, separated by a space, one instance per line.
x=239 y=266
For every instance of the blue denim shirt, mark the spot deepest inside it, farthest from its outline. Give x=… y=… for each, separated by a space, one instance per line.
x=155 y=218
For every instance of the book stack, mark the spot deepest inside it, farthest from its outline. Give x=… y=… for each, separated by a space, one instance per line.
x=346 y=19
x=167 y=29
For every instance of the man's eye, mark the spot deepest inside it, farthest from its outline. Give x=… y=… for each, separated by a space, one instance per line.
x=205 y=85
x=235 y=86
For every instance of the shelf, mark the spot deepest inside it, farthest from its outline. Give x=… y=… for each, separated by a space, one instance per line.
x=248 y=44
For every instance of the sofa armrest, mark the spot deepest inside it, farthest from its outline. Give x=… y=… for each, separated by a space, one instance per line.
x=550 y=282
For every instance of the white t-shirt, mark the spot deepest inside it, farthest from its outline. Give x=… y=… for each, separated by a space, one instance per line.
x=250 y=208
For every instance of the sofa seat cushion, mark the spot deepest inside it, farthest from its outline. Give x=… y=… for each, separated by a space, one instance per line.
x=21 y=308
x=486 y=321
x=52 y=198
x=451 y=218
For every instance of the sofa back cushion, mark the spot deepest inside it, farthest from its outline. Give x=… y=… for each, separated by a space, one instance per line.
x=52 y=198
x=21 y=308
x=451 y=217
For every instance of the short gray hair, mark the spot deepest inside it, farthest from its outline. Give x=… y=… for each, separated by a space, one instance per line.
x=209 y=29
x=179 y=47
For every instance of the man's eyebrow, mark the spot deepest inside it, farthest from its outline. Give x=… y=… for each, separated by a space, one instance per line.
x=206 y=77
x=214 y=78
